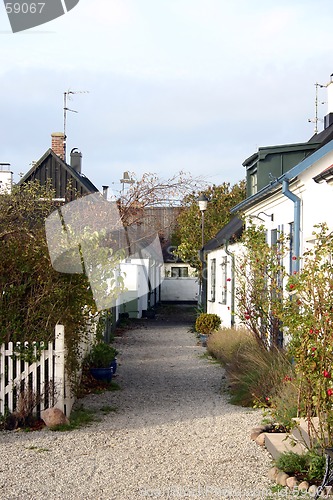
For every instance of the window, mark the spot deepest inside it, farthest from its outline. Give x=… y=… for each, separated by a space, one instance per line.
x=254 y=183
x=212 y=279
x=179 y=272
x=224 y=280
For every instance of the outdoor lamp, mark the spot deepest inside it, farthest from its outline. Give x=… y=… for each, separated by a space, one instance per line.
x=203 y=202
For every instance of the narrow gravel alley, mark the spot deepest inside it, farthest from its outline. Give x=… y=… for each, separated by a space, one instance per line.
x=173 y=433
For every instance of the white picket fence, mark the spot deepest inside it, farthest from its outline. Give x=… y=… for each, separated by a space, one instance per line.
x=45 y=379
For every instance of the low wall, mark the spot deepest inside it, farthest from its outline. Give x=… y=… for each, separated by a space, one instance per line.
x=179 y=289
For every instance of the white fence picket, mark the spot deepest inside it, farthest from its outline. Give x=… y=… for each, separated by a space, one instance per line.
x=47 y=375
x=10 y=385
x=2 y=378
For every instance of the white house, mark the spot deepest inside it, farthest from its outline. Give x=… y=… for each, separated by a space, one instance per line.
x=180 y=282
x=6 y=178
x=142 y=279
x=294 y=199
x=289 y=190
x=221 y=254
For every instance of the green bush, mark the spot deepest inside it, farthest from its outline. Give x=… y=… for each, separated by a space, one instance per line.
x=310 y=465
x=101 y=355
x=207 y=323
x=34 y=297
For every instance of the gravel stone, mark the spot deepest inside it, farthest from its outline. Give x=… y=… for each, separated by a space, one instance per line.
x=303 y=486
x=312 y=491
x=292 y=482
x=173 y=434
x=281 y=478
x=261 y=439
x=272 y=473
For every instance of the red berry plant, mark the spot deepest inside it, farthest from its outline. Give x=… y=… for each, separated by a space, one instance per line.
x=259 y=289
x=307 y=316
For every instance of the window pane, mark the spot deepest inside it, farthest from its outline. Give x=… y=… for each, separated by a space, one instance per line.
x=175 y=272
x=212 y=280
x=224 y=280
x=179 y=272
x=183 y=272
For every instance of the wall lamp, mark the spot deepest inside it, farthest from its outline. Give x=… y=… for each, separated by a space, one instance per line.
x=270 y=216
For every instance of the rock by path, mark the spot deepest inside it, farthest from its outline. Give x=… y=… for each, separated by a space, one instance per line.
x=174 y=434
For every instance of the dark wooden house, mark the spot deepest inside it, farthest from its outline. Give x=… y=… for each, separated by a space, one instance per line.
x=67 y=180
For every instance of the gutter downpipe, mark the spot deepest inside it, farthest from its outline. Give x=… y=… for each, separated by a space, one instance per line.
x=297 y=219
x=232 y=256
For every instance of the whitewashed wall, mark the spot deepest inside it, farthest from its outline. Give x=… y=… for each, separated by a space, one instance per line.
x=179 y=290
x=135 y=299
x=6 y=180
x=192 y=273
x=224 y=311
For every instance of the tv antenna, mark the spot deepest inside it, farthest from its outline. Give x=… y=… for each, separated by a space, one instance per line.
x=68 y=97
x=315 y=120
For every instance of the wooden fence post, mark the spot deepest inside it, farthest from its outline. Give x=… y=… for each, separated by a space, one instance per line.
x=59 y=367
x=2 y=379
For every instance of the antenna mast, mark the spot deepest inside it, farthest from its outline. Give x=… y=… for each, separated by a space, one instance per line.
x=315 y=120
x=67 y=96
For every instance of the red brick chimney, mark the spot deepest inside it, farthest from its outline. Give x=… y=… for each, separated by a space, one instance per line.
x=57 y=146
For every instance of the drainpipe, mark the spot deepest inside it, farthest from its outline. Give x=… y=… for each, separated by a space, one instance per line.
x=297 y=219
x=232 y=256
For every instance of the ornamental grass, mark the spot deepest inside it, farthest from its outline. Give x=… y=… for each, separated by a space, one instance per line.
x=255 y=375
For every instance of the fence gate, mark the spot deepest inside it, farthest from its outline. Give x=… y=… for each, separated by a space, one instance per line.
x=40 y=382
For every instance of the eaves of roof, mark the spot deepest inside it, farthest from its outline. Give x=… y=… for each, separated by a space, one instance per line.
x=291 y=174
x=325 y=175
x=36 y=165
x=230 y=232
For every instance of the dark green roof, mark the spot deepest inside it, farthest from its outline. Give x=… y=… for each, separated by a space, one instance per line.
x=230 y=232
x=282 y=148
x=290 y=175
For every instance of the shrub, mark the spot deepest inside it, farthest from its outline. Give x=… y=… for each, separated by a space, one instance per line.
x=310 y=465
x=101 y=355
x=34 y=297
x=259 y=274
x=207 y=323
x=308 y=319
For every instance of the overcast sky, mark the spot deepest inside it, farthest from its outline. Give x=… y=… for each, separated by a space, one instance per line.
x=194 y=85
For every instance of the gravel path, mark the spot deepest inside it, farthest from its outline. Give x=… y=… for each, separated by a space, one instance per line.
x=174 y=435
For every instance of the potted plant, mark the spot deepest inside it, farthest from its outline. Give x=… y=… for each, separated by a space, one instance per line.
x=207 y=323
x=102 y=361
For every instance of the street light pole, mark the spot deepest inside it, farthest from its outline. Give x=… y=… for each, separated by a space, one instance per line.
x=202 y=228
x=202 y=202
